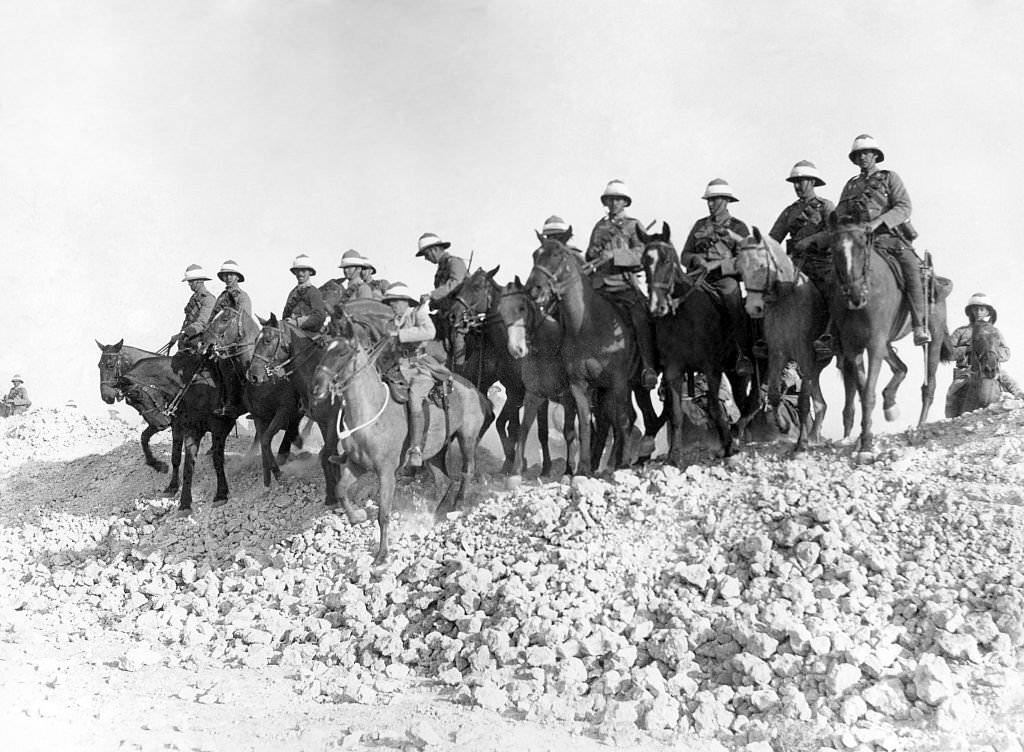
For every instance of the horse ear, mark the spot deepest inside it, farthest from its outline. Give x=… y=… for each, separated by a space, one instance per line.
x=120 y=343
x=100 y=346
x=757 y=235
x=642 y=234
x=666 y=232
x=833 y=220
x=493 y=271
x=272 y=321
x=540 y=237
x=518 y=282
x=263 y=321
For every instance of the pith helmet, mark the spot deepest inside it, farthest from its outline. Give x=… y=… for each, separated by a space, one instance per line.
x=399 y=291
x=864 y=142
x=555 y=225
x=430 y=240
x=302 y=262
x=980 y=299
x=719 y=187
x=805 y=169
x=194 y=272
x=353 y=258
x=17 y=379
x=616 y=189
x=230 y=266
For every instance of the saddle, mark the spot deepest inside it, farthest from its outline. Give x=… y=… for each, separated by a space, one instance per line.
x=399 y=387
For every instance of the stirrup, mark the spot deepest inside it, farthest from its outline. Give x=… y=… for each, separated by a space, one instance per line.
x=823 y=349
x=414 y=457
x=922 y=336
x=760 y=349
x=743 y=366
x=648 y=378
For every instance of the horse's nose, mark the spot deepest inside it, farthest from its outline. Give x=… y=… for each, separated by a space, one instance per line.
x=517 y=350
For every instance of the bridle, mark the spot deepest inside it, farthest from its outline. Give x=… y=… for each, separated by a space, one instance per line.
x=336 y=384
x=471 y=318
x=278 y=358
x=675 y=275
x=770 y=267
x=553 y=288
x=114 y=362
x=237 y=346
x=533 y=311
x=847 y=279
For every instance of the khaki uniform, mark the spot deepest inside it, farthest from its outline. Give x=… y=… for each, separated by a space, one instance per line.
x=881 y=195
x=960 y=340
x=306 y=305
x=229 y=382
x=343 y=292
x=804 y=219
x=451 y=270
x=415 y=328
x=17 y=400
x=233 y=297
x=198 y=311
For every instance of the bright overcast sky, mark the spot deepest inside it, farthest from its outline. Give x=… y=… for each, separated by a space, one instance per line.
x=136 y=138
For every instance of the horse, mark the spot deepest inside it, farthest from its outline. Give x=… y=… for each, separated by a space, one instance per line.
x=115 y=360
x=794 y=314
x=371 y=428
x=982 y=387
x=166 y=398
x=274 y=405
x=472 y=310
x=693 y=334
x=869 y=313
x=597 y=351
x=535 y=340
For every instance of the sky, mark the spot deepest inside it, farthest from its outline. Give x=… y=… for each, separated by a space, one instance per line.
x=137 y=138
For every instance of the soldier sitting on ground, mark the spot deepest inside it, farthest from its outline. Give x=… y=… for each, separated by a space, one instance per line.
x=978 y=308
x=16 y=402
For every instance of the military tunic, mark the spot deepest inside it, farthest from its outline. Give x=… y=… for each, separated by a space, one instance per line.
x=306 y=305
x=451 y=270
x=617 y=242
x=233 y=297
x=414 y=329
x=878 y=195
x=712 y=239
x=17 y=399
x=198 y=311
x=960 y=340
x=804 y=220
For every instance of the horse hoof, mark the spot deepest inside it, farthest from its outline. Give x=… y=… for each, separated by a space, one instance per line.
x=220 y=502
x=161 y=467
x=865 y=458
x=513 y=482
x=356 y=516
x=892 y=413
x=733 y=460
x=645 y=448
x=565 y=480
x=170 y=491
x=185 y=512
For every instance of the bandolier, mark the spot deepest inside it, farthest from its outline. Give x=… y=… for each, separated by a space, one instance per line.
x=803 y=222
x=305 y=305
x=198 y=309
x=451 y=271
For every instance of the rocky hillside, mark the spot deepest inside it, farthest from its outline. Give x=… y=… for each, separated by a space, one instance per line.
x=779 y=604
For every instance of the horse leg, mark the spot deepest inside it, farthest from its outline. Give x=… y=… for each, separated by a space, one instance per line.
x=602 y=422
x=190 y=444
x=345 y=478
x=852 y=376
x=265 y=435
x=290 y=420
x=581 y=395
x=623 y=416
x=386 y=476
x=932 y=355
x=570 y=435
x=899 y=372
x=176 y=444
x=508 y=427
x=147 y=433
x=531 y=407
x=542 y=438
x=866 y=445
x=717 y=413
x=652 y=423
x=676 y=385
x=218 y=438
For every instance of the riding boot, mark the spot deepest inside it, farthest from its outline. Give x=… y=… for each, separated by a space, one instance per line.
x=417 y=425
x=644 y=345
x=760 y=349
x=824 y=346
x=915 y=294
x=741 y=334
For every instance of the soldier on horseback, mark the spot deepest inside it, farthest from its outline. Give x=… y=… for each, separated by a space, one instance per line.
x=978 y=308
x=451 y=270
x=879 y=199
x=615 y=257
x=413 y=328
x=357 y=282
x=556 y=228
x=803 y=222
x=712 y=244
x=234 y=297
x=305 y=305
x=197 y=311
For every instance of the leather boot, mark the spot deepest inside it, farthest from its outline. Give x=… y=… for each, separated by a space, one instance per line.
x=417 y=424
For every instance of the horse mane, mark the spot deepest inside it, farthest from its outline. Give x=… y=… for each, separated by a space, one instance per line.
x=787 y=271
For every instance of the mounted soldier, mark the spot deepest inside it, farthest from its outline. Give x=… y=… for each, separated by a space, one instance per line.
x=803 y=222
x=16 y=402
x=305 y=305
x=879 y=199
x=198 y=310
x=712 y=245
x=979 y=308
x=556 y=228
x=414 y=328
x=353 y=285
x=614 y=260
x=451 y=271
x=232 y=296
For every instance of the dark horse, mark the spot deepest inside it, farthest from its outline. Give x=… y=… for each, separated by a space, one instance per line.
x=371 y=428
x=692 y=333
x=869 y=313
x=115 y=361
x=535 y=340
x=597 y=352
x=794 y=314
x=472 y=310
x=982 y=387
x=167 y=397
x=274 y=405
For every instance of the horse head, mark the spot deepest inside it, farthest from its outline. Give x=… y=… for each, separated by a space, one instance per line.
x=518 y=314
x=336 y=368
x=472 y=300
x=271 y=349
x=140 y=395
x=662 y=270
x=986 y=347
x=112 y=364
x=553 y=269
x=850 y=243
x=762 y=265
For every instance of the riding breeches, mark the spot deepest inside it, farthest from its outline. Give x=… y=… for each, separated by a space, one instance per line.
x=419 y=378
x=911 y=267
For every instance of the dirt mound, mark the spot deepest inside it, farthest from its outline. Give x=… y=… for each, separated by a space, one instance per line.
x=778 y=604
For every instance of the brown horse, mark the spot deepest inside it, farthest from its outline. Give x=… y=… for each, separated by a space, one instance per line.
x=371 y=428
x=274 y=405
x=794 y=314
x=692 y=333
x=535 y=340
x=598 y=351
x=115 y=361
x=472 y=310
x=869 y=313
x=982 y=387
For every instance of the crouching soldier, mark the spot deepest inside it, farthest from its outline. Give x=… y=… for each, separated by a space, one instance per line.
x=414 y=329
